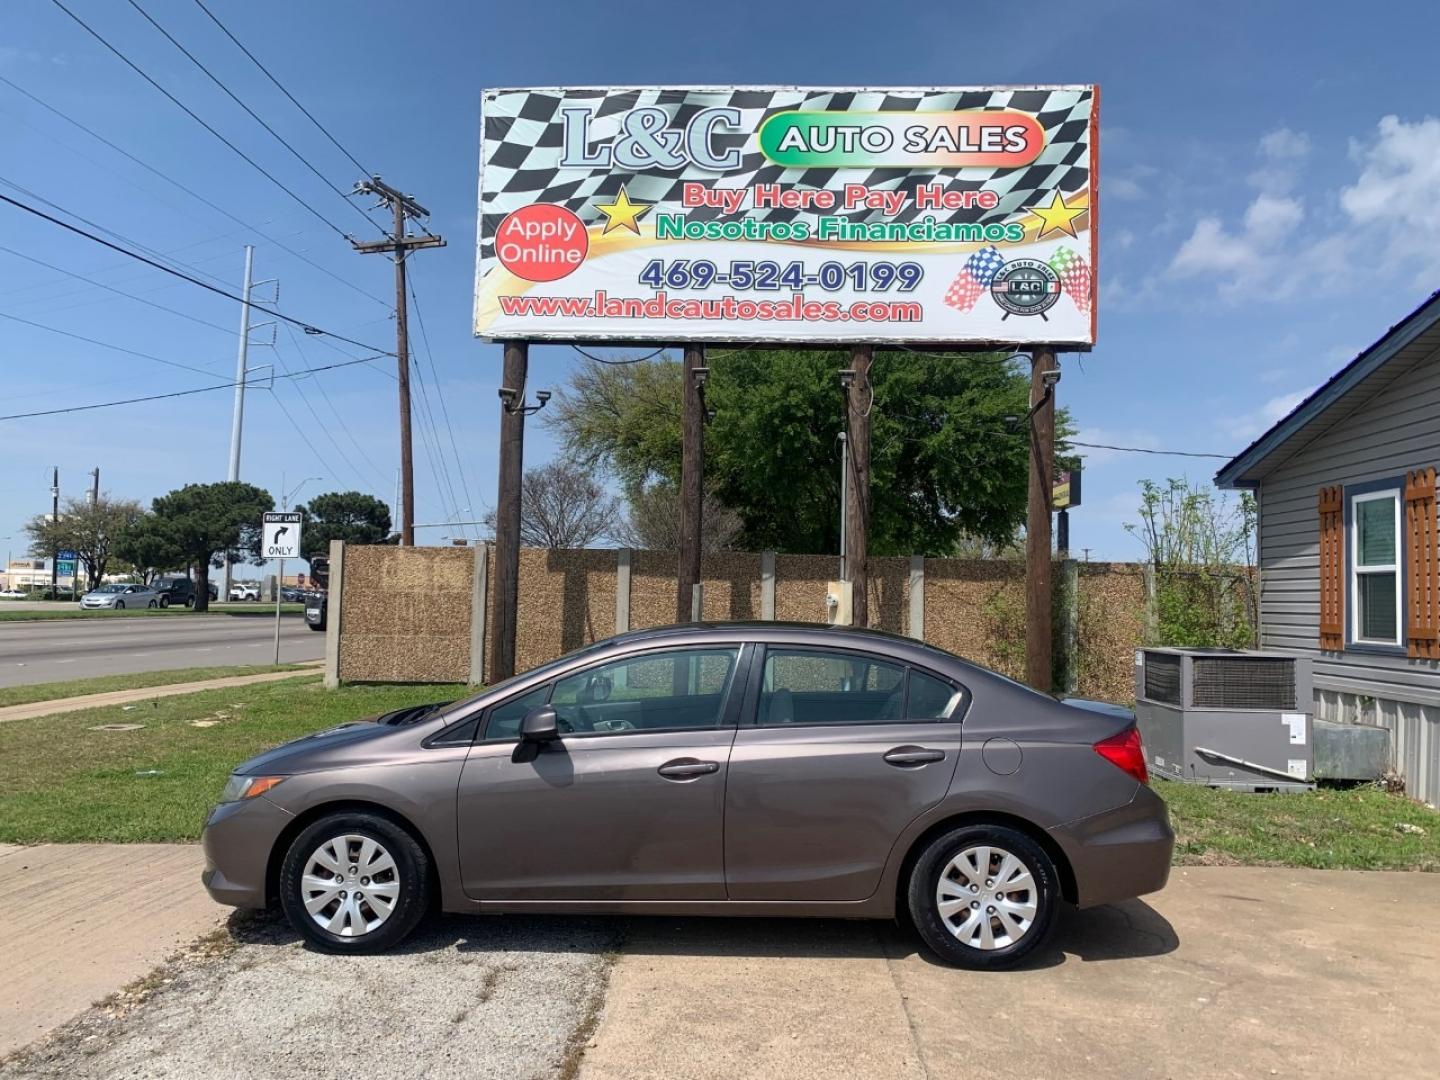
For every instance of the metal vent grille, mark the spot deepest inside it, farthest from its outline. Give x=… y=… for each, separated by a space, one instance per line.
x=1162 y=678
x=1244 y=682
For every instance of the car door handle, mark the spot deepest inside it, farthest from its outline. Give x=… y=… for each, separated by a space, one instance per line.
x=913 y=755
x=687 y=769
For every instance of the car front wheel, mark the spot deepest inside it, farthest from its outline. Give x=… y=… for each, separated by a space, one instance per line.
x=355 y=883
x=983 y=896
x=119 y=605
x=164 y=601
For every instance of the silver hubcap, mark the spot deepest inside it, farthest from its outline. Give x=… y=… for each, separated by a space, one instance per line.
x=987 y=898
x=350 y=885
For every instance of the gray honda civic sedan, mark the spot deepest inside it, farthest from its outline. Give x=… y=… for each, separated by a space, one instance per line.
x=727 y=769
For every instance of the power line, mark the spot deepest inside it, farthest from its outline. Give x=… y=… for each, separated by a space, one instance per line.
x=194 y=194
x=1146 y=450
x=281 y=88
x=106 y=345
x=307 y=327
x=176 y=393
x=195 y=116
x=253 y=114
x=111 y=288
x=439 y=392
x=621 y=363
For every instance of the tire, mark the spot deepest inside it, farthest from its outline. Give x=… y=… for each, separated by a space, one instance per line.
x=152 y=605
x=317 y=847
x=119 y=605
x=998 y=934
x=164 y=601
x=189 y=602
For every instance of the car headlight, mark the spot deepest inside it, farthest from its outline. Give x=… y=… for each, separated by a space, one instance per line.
x=247 y=787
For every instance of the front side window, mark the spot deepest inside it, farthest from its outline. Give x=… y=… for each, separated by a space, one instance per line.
x=810 y=687
x=505 y=718
x=1375 y=567
x=655 y=691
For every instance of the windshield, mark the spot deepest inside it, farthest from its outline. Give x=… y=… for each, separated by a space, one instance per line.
x=537 y=670
x=111 y=588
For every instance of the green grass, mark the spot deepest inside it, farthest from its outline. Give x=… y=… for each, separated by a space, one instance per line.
x=61 y=781
x=103 y=684
x=1328 y=829
x=72 y=612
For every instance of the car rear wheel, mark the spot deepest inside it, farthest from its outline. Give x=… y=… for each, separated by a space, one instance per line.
x=190 y=601
x=152 y=604
x=355 y=883
x=983 y=896
x=164 y=601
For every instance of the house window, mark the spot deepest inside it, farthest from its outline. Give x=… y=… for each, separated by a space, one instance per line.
x=1375 y=567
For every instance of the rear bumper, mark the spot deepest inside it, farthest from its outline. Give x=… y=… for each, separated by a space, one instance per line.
x=237 y=842
x=1119 y=854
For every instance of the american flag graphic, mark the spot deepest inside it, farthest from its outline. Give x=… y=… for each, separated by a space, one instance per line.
x=1074 y=273
x=970 y=284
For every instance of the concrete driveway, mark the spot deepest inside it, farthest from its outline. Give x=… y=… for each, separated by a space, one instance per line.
x=1228 y=972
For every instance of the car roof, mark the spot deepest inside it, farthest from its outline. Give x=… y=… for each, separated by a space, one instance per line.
x=845 y=637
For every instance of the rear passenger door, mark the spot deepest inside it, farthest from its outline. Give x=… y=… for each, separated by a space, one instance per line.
x=838 y=751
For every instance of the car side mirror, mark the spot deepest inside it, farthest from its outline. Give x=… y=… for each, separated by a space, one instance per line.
x=540 y=725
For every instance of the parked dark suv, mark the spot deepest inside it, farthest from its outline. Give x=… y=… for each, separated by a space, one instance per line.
x=175 y=590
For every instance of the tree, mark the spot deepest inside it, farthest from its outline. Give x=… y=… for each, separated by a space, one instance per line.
x=562 y=505
x=1202 y=549
x=148 y=546
x=91 y=530
x=653 y=520
x=205 y=521
x=351 y=516
x=947 y=459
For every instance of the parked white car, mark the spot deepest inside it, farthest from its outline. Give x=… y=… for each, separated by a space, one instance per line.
x=12 y=594
x=245 y=590
x=118 y=596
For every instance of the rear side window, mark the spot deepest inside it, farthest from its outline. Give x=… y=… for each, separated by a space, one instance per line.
x=930 y=698
x=801 y=686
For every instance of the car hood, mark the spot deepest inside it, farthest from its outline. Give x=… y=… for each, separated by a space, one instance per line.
x=334 y=746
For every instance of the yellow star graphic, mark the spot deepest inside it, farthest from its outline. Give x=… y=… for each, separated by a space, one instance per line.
x=1057 y=217
x=623 y=213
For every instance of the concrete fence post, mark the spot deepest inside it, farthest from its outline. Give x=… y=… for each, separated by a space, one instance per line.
x=767 y=586
x=622 y=590
x=479 y=610
x=1069 y=624
x=916 y=629
x=697 y=602
x=334 y=597
x=1152 y=614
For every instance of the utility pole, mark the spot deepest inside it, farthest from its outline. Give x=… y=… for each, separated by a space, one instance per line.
x=692 y=480
x=55 y=520
x=1044 y=374
x=399 y=244
x=859 y=400
x=237 y=419
x=95 y=486
x=844 y=497
x=507 y=510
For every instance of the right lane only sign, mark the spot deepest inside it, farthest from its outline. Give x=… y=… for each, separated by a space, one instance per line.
x=280 y=536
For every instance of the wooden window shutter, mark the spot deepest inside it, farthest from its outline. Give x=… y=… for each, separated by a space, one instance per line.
x=1332 y=569
x=1422 y=591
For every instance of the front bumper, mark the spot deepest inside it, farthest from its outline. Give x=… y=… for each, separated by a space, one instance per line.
x=237 y=841
x=1122 y=853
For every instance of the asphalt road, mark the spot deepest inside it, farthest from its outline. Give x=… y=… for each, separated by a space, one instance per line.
x=36 y=652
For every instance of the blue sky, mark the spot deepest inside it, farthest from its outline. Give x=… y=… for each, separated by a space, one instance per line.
x=1270 y=203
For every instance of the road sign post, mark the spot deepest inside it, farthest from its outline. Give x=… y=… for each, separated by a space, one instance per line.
x=280 y=539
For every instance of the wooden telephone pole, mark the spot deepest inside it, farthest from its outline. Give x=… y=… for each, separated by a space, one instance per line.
x=1044 y=374
x=399 y=244
x=859 y=400
x=692 y=480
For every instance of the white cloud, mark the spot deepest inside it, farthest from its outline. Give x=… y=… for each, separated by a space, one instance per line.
x=1246 y=426
x=1285 y=145
x=1282 y=154
x=1271 y=218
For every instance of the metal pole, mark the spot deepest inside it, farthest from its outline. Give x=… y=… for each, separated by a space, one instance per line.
x=507 y=511
x=55 y=522
x=844 y=497
x=279 y=584
x=402 y=359
x=95 y=487
x=859 y=400
x=692 y=482
x=238 y=417
x=1038 y=599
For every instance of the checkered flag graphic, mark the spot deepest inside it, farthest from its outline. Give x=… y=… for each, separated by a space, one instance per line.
x=522 y=143
x=970 y=284
x=1074 y=273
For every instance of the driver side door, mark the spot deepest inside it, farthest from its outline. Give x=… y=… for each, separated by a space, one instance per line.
x=627 y=804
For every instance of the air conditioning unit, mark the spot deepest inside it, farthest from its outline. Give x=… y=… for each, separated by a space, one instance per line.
x=1226 y=717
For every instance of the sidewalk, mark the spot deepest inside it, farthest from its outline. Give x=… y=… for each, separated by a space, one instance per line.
x=146 y=693
x=80 y=921
x=1229 y=972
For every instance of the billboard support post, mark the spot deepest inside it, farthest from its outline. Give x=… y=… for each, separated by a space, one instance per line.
x=507 y=509
x=1044 y=374
x=692 y=480
x=859 y=400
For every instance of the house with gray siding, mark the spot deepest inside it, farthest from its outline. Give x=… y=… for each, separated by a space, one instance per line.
x=1349 y=571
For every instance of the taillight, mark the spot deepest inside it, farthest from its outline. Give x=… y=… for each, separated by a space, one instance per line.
x=1125 y=752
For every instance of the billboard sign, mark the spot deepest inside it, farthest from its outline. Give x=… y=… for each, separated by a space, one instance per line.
x=785 y=214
